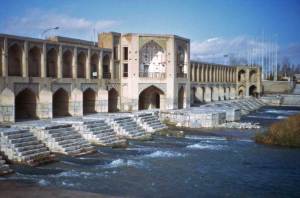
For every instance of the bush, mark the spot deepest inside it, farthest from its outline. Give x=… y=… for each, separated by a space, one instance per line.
x=283 y=133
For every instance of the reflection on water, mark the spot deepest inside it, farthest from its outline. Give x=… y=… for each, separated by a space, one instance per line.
x=214 y=164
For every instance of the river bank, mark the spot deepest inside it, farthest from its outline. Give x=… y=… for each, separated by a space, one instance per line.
x=16 y=189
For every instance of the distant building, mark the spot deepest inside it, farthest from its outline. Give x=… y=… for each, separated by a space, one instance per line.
x=297 y=78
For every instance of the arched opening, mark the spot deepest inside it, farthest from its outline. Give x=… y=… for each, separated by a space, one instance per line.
x=34 y=62
x=25 y=105
x=221 y=93
x=241 y=76
x=227 y=93
x=113 y=100
x=215 y=94
x=94 y=66
x=15 y=60
x=60 y=103
x=232 y=93
x=52 y=63
x=252 y=76
x=89 y=101
x=150 y=98
x=67 y=64
x=105 y=64
x=181 y=98
x=253 y=91
x=81 y=61
x=208 y=94
x=194 y=98
x=152 y=60
x=202 y=94
x=241 y=92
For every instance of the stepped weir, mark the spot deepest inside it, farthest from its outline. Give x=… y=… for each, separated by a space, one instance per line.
x=37 y=142
x=21 y=146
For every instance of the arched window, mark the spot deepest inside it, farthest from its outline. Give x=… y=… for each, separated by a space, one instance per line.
x=67 y=64
x=106 y=64
x=51 y=68
x=94 y=66
x=15 y=60
x=81 y=62
x=152 y=60
x=34 y=62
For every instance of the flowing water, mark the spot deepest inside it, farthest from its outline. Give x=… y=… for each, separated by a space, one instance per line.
x=216 y=163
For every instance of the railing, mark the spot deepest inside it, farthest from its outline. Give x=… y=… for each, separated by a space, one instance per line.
x=152 y=75
x=181 y=75
x=106 y=75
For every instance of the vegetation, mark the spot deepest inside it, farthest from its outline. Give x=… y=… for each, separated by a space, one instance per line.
x=282 y=133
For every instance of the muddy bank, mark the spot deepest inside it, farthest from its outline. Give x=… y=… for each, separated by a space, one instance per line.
x=11 y=189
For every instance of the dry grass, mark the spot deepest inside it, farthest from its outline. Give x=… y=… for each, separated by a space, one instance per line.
x=282 y=133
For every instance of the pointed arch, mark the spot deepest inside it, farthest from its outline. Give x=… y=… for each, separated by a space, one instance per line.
x=67 y=64
x=15 y=60
x=81 y=62
x=51 y=67
x=25 y=105
x=113 y=100
x=89 y=101
x=34 y=62
x=60 y=103
x=94 y=66
x=151 y=98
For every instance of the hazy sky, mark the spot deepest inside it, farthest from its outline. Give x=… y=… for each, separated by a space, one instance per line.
x=215 y=27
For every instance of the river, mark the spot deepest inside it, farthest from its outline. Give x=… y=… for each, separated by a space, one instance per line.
x=215 y=163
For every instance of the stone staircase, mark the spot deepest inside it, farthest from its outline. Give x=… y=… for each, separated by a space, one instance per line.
x=20 y=146
x=63 y=139
x=128 y=128
x=4 y=168
x=98 y=132
x=150 y=122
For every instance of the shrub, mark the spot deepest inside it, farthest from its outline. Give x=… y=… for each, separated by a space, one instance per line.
x=284 y=133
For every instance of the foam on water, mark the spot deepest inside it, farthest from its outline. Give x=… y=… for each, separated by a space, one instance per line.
x=274 y=111
x=281 y=117
x=262 y=117
x=205 y=146
x=122 y=162
x=164 y=154
x=67 y=184
x=73 y=173
x=195 y=137
x=43 y=182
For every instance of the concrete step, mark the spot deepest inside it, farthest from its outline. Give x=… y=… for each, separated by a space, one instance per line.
x=103 y=132
x=24 y=144
x=59 y=130
x=35 y=155
x=65 y=133
x=21 y=140
x=67 y=137
x=19 y=135
x=29 y=147
x=12 y=131
x=75 y=146
x=33 y=151
x=99 y=128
